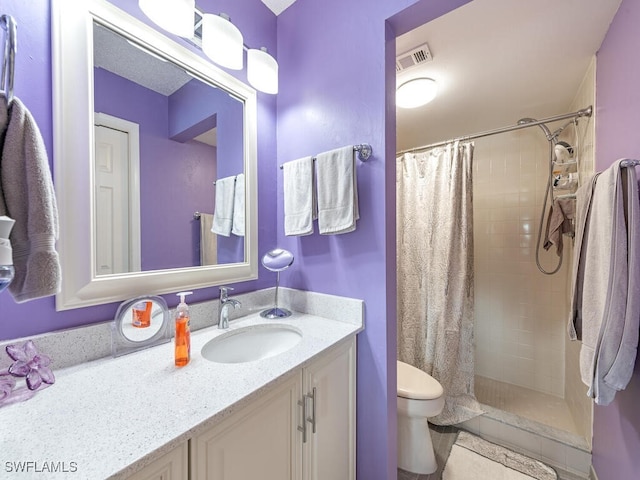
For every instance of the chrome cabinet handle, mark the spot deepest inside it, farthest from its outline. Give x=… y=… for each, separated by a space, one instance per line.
x=312 y=418
x=303 y=428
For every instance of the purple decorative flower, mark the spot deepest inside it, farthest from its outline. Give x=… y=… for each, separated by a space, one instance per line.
x=30 y=364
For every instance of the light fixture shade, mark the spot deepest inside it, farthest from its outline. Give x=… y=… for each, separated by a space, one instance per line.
x=262 y=70
x=174 y=16
x=222 y=41
x=416 y=92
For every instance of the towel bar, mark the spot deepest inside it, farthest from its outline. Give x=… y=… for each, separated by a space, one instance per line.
x=364 y=152
x=630 y=163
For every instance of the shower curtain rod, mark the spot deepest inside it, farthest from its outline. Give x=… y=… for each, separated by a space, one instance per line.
x=585 y=112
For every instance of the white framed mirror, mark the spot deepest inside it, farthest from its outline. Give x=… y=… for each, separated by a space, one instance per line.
x=144 y=236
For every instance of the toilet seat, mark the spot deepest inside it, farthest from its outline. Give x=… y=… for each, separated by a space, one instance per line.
x=415 y=384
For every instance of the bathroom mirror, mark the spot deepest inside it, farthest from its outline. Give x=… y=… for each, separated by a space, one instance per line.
x=141 y=322
x=211 y=113
x=277 y=260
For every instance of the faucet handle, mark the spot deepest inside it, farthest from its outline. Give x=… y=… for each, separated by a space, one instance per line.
x=224 y=290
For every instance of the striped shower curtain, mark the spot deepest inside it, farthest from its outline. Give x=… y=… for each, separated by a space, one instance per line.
x=435 y=272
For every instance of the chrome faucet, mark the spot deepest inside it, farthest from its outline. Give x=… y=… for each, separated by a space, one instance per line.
x=223 y=307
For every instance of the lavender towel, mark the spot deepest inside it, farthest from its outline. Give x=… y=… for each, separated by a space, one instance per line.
x=27 y=195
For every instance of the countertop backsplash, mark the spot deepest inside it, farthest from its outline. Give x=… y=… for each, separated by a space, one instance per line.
x=78 y=345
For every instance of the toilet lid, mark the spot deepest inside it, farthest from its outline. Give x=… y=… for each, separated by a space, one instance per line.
x=416 y=384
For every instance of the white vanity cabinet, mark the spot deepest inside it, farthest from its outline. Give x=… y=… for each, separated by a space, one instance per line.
x=257 y=442
x=171 y=466
x=267 y=439
x=330 y=389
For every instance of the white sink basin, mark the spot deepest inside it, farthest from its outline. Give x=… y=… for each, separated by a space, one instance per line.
x=249 y=344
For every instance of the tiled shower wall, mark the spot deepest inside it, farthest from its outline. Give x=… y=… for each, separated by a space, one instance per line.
x=575 y=391
x=520 y=313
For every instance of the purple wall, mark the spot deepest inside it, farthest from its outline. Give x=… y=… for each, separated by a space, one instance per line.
x=195 y=105
x=337 y=88
x=33 y=87
x=616 y=428
x=177 y=178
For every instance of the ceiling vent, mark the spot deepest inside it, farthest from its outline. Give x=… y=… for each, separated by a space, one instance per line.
x=414 y=57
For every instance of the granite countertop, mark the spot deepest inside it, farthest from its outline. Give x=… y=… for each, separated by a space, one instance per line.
x=111 y=417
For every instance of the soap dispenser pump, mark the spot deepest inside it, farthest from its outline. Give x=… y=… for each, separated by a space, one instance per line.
x=183 y=334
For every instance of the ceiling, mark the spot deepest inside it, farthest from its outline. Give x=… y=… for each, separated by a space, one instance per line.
x=278 y=6
x=497 y=61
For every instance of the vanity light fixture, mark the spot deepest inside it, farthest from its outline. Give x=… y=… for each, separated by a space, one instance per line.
x=222 y=41
x=174 y=16
x=416 y=92
x=218 y=38
x=262 y=70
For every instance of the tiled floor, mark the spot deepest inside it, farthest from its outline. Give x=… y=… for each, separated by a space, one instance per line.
x=537 y=406
x=443 y=439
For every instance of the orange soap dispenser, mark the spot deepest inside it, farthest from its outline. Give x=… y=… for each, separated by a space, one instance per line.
x=183 y=334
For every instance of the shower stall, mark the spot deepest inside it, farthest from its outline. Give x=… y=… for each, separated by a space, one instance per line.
x=526 y=370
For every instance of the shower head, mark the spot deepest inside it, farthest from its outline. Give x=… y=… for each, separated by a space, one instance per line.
x=563 y=152
x=544 y=128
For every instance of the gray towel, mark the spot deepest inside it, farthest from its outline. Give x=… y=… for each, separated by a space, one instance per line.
x=583 y=209
x=27 y=195
x=610 y=279
x=559 y=222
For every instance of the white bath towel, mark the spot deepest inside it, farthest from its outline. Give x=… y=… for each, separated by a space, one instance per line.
x=238 y=207
x=610 y=282
x=27 y=195
x=223 y=212
x=208 y=241
x=299 y=196
x=337 y=191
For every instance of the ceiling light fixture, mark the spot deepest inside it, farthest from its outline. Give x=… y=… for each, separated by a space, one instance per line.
x=221 y=41
x=417 y=92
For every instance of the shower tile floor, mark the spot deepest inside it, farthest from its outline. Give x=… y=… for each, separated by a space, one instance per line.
x=540 y=407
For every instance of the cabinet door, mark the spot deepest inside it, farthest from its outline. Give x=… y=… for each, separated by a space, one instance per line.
x=329 y=453
x=258 y=442
x=171 y=466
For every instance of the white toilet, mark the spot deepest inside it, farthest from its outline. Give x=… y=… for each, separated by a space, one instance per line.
x=420 y=396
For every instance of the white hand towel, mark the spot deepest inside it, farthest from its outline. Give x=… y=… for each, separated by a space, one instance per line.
x=238 y=207
x=299 y=197
x=337 y=191
x=223 y=212
x=208 y=241
x=27 y=195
